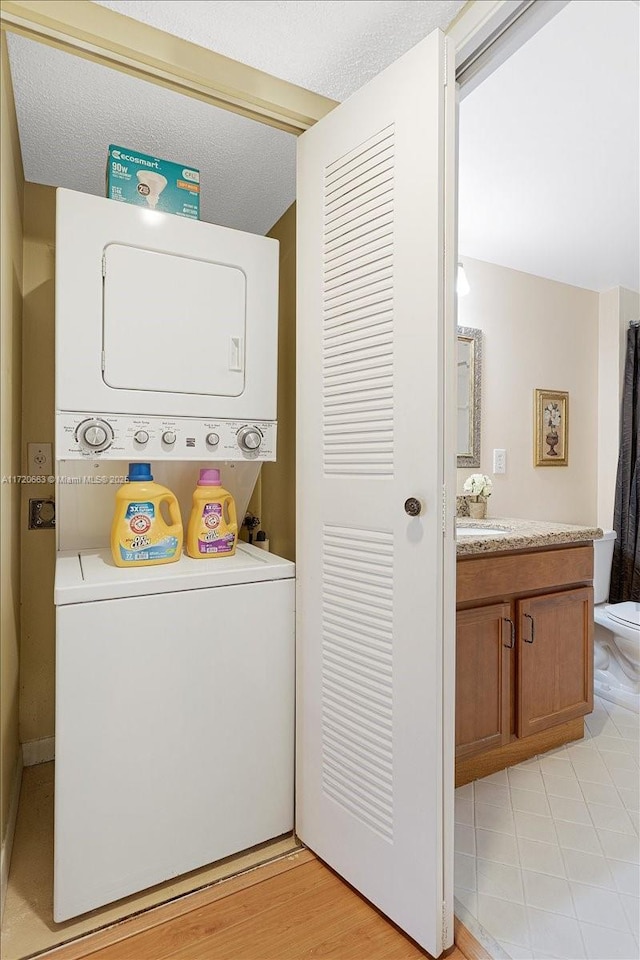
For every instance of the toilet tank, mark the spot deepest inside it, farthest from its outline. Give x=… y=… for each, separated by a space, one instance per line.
x=602 y=557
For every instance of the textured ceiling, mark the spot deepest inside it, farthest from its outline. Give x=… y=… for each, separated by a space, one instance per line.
x=69 y=110
x=329 y=46
x=549 y=152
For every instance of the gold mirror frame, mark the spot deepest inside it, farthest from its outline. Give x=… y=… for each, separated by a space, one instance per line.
x=473 y=402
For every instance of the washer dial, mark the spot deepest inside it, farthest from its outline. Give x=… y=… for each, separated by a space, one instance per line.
x=249 y=439
x=94 y=435
x=169 y=436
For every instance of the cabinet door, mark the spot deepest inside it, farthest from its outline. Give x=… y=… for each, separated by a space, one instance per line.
x=375 y=604
x=484 y=648
x=555 y=659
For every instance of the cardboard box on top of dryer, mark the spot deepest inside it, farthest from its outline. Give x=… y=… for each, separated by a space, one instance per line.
x=150 y=182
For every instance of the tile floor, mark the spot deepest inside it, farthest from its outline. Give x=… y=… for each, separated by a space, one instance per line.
x=547 y=852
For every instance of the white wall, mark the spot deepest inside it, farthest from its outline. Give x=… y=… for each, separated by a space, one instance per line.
x=617 y=307
x=537 y=333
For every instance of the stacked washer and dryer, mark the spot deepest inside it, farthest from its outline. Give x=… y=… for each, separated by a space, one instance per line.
x=174 y=683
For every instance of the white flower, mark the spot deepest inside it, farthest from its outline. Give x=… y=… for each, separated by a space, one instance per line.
x=552 y=415
x=479 y=485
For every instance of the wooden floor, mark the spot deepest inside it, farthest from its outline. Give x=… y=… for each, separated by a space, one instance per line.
x=292 y=909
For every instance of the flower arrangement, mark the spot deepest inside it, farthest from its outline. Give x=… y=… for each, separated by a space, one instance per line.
x=478 y=485
x=477 y=490
x=552 y=416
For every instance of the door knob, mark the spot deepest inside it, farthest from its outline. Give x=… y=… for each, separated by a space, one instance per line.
x=413 y=507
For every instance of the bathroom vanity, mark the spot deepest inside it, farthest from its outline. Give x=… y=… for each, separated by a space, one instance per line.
x=524 y=644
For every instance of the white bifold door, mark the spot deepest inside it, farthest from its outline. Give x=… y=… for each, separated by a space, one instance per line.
x=376 y=456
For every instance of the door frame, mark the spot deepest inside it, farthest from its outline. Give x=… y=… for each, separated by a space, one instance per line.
x=112 y=40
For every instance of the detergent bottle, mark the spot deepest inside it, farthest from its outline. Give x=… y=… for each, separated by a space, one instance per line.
x=213 y=525
x=140 y=535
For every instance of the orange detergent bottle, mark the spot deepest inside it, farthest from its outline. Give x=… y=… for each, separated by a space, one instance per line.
x=140 y=535
x=213 y=525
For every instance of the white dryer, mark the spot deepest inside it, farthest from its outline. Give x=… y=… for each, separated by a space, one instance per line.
x=174 y=684
x=166 y=336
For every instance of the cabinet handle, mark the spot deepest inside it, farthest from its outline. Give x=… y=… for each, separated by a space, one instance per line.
x=509 y=646
x=533 y=628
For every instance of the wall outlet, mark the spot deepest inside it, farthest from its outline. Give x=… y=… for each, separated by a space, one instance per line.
x=499 y=461
x=39 y=460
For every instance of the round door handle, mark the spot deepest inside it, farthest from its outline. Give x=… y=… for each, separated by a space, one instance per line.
x=413 y=507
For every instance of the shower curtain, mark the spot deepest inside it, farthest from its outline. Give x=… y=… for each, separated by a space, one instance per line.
x=625 y=571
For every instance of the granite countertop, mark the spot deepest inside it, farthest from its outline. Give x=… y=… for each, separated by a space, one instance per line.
x=518 y=535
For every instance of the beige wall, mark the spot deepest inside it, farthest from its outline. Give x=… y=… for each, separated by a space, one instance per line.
x=278 y=486
x=38 y=546
x=536 y=333
x=12 y=186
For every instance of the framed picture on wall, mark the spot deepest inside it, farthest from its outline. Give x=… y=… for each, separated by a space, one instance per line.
x=551 y=428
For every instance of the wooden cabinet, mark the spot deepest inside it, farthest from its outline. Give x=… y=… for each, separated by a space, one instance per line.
x=524 y=655
x=484 y=643
x=555 y=659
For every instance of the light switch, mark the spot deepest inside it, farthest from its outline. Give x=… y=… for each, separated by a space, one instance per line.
x=499 y=461
x=39 y=458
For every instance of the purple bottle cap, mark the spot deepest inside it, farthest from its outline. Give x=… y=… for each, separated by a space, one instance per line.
x=209 y=478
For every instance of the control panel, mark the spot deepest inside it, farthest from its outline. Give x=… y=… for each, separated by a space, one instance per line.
x=87 y=436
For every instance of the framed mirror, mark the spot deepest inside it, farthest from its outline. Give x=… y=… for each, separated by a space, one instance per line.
x=469 y=395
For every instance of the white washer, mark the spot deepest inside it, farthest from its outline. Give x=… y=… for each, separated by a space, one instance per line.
x=174 y=718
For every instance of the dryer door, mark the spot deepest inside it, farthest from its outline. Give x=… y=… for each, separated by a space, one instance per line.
x=159 y=315
x=172 y=324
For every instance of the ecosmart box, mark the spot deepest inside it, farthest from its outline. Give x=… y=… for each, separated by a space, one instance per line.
x=134 y=177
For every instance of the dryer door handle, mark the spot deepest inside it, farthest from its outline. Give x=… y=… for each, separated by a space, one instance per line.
x=236 y=353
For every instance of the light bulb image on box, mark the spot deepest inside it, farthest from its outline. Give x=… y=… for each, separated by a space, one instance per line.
x=151 y=185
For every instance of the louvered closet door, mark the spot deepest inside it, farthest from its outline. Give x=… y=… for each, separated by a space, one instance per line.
x=376 y=586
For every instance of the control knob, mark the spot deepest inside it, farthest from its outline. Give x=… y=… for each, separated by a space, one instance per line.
x=169 y=436
x=249 y=439
x=141 y=436
x=213 y=439
x=95 y=435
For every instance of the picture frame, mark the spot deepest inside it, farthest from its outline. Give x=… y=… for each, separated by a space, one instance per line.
x=551 y=428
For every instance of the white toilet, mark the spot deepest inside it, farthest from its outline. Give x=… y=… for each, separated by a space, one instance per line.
x=616 y=636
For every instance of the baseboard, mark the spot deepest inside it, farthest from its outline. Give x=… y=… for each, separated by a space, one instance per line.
x=482 y=764
x=7 y=843
x=471 y=939
x=38 y=751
